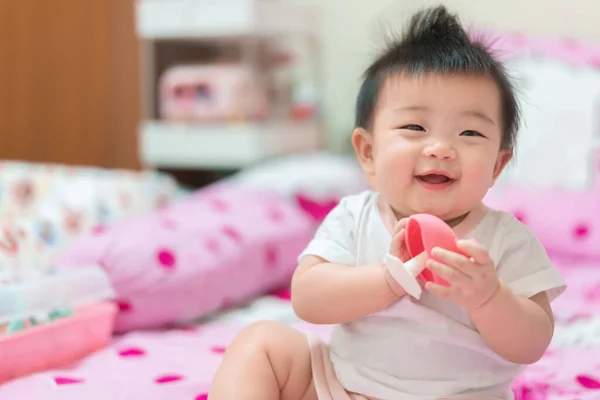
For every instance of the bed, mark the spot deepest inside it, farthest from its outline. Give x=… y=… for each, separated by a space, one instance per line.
x=178 y=363
x=571 y=367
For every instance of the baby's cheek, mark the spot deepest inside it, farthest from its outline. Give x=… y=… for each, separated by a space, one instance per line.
x=479 y=177
x=393 y=166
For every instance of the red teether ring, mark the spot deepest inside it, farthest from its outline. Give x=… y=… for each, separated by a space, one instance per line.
x=423 y=233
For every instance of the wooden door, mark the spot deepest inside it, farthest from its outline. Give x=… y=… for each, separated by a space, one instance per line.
x=69 y=82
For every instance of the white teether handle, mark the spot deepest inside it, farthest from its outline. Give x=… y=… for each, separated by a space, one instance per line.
x=405 y=273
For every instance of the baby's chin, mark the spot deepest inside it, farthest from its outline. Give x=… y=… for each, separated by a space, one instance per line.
x=443 y=210
x=445 y=207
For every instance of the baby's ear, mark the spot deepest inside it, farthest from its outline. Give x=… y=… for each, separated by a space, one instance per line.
x=362 y=141
x=504 y=156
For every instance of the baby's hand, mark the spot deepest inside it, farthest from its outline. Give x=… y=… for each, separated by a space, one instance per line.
x=399 y=250
x=398 y=246
x=472 y=281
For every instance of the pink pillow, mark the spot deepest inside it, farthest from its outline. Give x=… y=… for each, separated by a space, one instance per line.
x=220 y=246
x=565 y=220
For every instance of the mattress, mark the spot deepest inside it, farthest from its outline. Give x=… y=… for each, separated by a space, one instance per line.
x=179 y=363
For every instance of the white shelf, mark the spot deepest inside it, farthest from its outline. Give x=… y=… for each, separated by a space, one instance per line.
x=188 y=19
x=193 y=146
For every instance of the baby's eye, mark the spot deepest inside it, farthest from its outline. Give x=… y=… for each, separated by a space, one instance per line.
x=471 y=133
x=412 y=127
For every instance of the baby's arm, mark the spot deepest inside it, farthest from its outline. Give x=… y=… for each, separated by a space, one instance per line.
x=329 y=287
x=517 y=322
x=509 y=305
x=328 y=293
x=518 y=329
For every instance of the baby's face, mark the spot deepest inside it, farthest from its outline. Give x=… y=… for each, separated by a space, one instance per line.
x=435 y=143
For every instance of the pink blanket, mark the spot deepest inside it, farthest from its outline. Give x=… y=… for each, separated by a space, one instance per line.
x=180 y=363
x=565 y=374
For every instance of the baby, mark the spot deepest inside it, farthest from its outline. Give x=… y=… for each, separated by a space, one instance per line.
x=436 y=120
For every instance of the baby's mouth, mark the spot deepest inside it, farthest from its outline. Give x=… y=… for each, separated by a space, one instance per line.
x=435 y=179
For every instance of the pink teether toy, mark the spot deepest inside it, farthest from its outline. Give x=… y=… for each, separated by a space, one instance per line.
x=423 y=233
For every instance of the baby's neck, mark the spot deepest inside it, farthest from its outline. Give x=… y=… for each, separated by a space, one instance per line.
x=452 y=222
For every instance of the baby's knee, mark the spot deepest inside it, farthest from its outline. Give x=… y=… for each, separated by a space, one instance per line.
x=262 y=336
x=264 y=330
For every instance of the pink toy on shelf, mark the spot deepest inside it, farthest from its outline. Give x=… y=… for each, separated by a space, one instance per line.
x=213 y=93
x=423 y=233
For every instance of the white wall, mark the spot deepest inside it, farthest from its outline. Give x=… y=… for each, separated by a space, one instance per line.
x=350 y=36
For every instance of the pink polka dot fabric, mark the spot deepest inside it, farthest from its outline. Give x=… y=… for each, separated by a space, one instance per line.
x=176 y=364
x=571 y=368
x=180 y=363
x=566 y=221
x=582 y=299
x=220 y=246
x=564 y=374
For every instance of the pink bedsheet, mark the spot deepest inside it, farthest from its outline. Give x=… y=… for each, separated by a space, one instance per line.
x=563 y=374
x=180 y=363
x=582 y=297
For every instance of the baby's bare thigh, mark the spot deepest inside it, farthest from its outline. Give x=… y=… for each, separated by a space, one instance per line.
x=300 y=385
x=290 y=358
x=311 y=393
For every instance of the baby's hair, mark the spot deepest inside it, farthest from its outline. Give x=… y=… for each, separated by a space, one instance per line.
x=436 y=42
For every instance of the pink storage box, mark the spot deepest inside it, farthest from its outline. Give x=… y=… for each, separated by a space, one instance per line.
x=58 y=343
x=213 y=92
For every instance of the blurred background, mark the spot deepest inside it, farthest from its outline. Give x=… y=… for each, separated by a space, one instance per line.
x=71 y=72
x=165 y=161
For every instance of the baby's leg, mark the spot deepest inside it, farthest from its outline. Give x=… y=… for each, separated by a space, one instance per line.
x=267 y=360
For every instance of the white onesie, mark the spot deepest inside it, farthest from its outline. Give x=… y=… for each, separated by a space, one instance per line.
x=427 y=348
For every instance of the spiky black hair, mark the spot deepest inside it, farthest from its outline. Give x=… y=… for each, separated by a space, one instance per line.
x=436 y=42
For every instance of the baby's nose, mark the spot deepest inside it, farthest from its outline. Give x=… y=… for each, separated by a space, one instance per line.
x=440 y=150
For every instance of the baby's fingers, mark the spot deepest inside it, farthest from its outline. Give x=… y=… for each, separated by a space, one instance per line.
x=400 y=225
x=453 y=276
x=444 y=292
x=475 y=250
x=397 y=245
